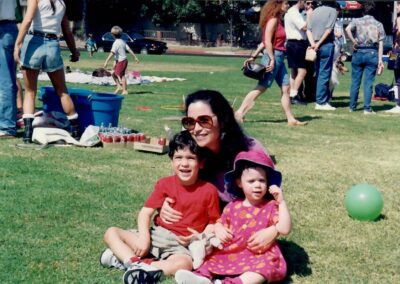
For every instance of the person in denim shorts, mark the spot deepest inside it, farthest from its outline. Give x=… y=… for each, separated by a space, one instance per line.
x=273 y=47
x=37 y=49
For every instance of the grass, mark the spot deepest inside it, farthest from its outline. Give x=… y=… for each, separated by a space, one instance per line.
x=55 y=204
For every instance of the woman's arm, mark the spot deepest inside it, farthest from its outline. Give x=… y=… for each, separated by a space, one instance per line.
x=69 y=39
x=168 y=214
x=269 y=33
x=23 y=29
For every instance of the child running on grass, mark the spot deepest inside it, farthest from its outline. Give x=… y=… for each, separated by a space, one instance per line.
x=259 y=204
x=118 y=50
x=162 y=248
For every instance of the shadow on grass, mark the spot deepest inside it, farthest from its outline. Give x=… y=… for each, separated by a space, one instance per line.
x=298 y=262
x=140 y=93
x=301 y=118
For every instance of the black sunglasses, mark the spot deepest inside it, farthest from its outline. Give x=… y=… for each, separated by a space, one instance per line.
x=189 y=123
x=309 y=3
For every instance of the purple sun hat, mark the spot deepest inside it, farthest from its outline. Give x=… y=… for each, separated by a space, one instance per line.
x=257 y=157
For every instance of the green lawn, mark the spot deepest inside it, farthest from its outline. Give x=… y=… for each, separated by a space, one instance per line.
x=55 y=204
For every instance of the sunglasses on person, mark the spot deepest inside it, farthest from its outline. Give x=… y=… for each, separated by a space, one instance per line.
x=189 y=123
x=309 y=3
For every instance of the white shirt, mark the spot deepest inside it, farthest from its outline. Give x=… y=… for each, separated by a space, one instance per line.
x=119 y=48
x=294 y=23
x=7 y=9
x=45 y=21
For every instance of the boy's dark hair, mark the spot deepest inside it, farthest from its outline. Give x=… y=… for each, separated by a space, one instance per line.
x=244 y=165
x=329 y=3
x=182 y=140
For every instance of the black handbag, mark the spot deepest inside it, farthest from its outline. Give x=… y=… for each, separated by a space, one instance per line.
x=254 y=70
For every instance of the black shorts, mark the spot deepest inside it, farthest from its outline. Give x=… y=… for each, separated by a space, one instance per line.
x=296 y=53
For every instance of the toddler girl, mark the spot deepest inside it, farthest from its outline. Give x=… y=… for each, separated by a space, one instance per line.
x=259 y=204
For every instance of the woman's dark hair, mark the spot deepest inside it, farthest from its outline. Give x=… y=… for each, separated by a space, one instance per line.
x=368 y=7
x=242 y=165
x=232 y=137
x=182 y=140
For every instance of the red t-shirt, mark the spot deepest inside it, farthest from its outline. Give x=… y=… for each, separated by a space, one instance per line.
x=279 y=38
x=199 y=204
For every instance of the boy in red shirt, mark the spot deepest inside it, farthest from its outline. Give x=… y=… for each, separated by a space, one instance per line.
x=196 y=199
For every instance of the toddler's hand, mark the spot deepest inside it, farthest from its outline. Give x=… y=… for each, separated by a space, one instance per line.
x=276 y=193
x=222 y=233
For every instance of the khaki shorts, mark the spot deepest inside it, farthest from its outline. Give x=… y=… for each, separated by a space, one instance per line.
x=164 y=243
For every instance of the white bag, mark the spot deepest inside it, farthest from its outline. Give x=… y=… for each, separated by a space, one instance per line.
x=311 y=54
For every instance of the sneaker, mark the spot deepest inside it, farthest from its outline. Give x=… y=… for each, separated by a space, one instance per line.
x=141 y=273
x=325 y=106
x=368 y=112
x=4 y=135
x=395 y=110
x=108 y=259
x=188 y=277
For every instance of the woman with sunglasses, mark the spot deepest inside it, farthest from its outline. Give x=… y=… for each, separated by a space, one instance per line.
x=273 y=47
x=211 y=122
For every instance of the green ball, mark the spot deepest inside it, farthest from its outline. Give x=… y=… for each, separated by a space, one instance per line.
x=363 y=202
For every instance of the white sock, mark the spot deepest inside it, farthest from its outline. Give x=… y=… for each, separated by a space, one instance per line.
x=293 y=93
x=74 y=116
x=28 y=115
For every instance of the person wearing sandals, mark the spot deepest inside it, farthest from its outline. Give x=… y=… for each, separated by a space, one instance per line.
x=37 y=49
x=163 y=249
x=273 y=47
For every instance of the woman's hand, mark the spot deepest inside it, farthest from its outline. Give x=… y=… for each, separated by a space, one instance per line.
x=17 y=52
x=224 y=234
x=248 y=60
x=74 y=57
x=262 y=239
x=168 y=214
x=270 y=67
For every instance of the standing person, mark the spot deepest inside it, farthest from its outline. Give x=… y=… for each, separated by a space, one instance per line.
x=118 y=51
x=367 y=35
x=211 y=122
x=8 y=87
x=340 y=39
x=321 y=37
x=168 y=243
x=396 y=50
x=37 y=49
x=273 y=47
x=91 y=45
x=256 y=183
x=296 y=46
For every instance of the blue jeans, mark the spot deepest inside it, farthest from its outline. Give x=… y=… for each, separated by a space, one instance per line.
x=8 y=87
x=363 y=61
x=323 y=69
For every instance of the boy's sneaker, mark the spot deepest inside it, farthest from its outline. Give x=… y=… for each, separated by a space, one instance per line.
x=325 y=106
x=141 y=273
x=395 y=110
x=108 y=259
x=187 y=277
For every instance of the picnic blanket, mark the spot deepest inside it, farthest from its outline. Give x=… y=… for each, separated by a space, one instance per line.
x=83 y=78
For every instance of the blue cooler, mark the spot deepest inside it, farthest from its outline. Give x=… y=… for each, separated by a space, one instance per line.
x=93 y=108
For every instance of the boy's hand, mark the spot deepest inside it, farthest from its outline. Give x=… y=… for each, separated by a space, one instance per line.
x=142 y=246
x=185 y=241
x=276 y=193
x=224 y=234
